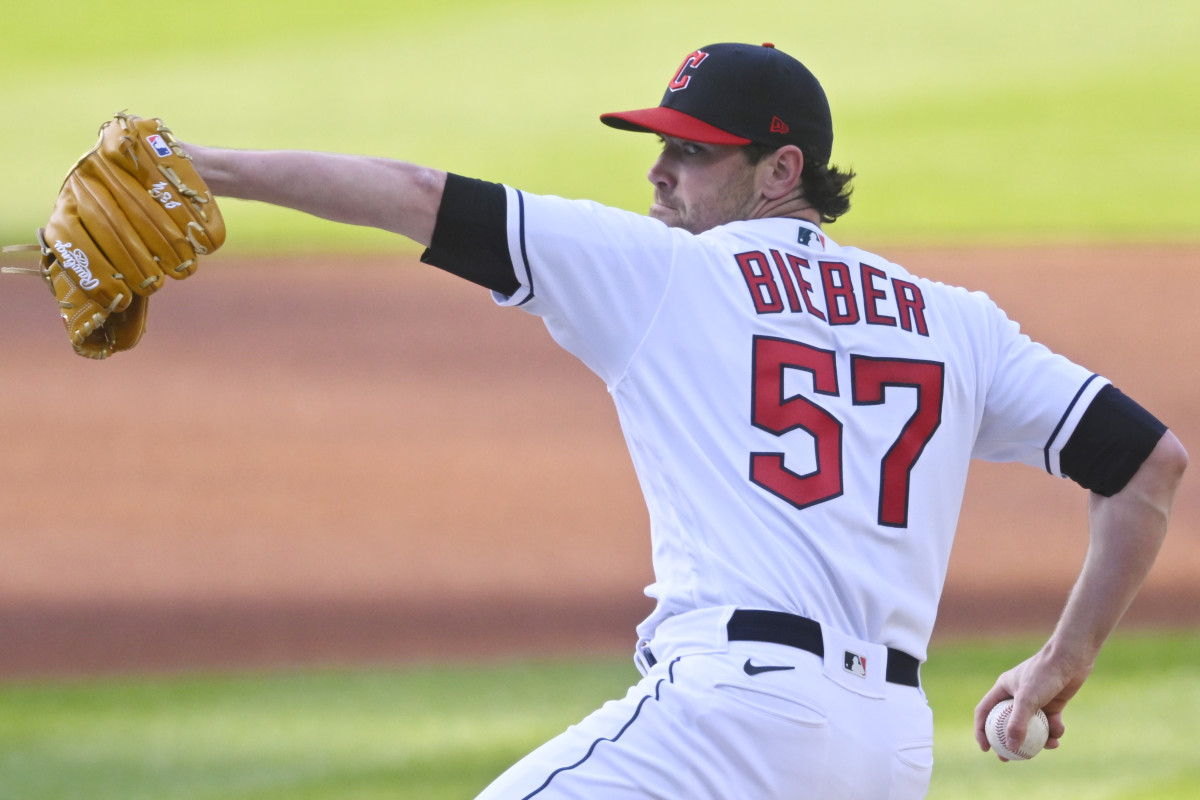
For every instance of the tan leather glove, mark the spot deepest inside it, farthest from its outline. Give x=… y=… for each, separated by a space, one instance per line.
x=131 y=210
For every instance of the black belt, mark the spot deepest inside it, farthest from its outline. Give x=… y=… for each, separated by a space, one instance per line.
x=778 y=627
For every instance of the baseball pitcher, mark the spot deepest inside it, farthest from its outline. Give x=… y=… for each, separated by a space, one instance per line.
x=801 y=415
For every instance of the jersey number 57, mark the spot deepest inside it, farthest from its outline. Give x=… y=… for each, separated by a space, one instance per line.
x=777 y=414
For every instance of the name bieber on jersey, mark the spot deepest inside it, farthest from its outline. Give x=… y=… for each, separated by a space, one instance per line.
x=781 y=282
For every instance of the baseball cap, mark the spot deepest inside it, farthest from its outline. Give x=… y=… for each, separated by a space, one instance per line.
x=739 y=94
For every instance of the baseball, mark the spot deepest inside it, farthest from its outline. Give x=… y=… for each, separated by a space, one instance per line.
x=997 y=728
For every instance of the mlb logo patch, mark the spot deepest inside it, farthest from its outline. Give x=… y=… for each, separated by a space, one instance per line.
x=806 y=237
x=159 y=145
x=855 y=664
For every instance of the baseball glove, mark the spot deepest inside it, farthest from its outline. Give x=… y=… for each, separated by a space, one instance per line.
x=131 y=211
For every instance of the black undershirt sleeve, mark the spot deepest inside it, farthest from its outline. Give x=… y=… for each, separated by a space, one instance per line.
x=1113 y=438
x=470 y=237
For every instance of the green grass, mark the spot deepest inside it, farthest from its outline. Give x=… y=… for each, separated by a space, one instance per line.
x=444 y=731
x=439 y=732
x=1058 y=119
x=1130 y=733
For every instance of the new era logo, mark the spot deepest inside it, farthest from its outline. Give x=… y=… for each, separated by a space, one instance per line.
x=855 y=664
x=779 y=126
x=159 y=145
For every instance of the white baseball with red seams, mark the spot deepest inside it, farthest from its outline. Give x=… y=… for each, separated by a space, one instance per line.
x=997 y=732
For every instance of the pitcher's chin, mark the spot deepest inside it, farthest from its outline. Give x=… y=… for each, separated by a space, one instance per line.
x=664 y=214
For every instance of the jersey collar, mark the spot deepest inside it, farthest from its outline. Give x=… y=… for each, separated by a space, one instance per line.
x=805 y=233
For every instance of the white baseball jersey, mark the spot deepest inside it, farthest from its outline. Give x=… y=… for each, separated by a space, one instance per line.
x=800 y=415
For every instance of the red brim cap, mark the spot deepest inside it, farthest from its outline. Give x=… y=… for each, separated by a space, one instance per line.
x=669 y=122
x=735 y=94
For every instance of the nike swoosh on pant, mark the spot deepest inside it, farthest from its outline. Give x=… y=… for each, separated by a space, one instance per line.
x=754 y=669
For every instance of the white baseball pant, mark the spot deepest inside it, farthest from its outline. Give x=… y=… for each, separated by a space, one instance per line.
x=708 y=722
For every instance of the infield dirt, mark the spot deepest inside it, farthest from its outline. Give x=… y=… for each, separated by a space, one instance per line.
x=313 y=462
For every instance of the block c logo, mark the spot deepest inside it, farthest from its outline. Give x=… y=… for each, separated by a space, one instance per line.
x=681 y=80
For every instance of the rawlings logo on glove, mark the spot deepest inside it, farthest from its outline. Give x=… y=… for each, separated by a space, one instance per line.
x=77 y=262
x=131 y=210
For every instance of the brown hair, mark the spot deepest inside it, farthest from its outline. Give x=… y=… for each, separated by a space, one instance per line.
x=827 y=189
